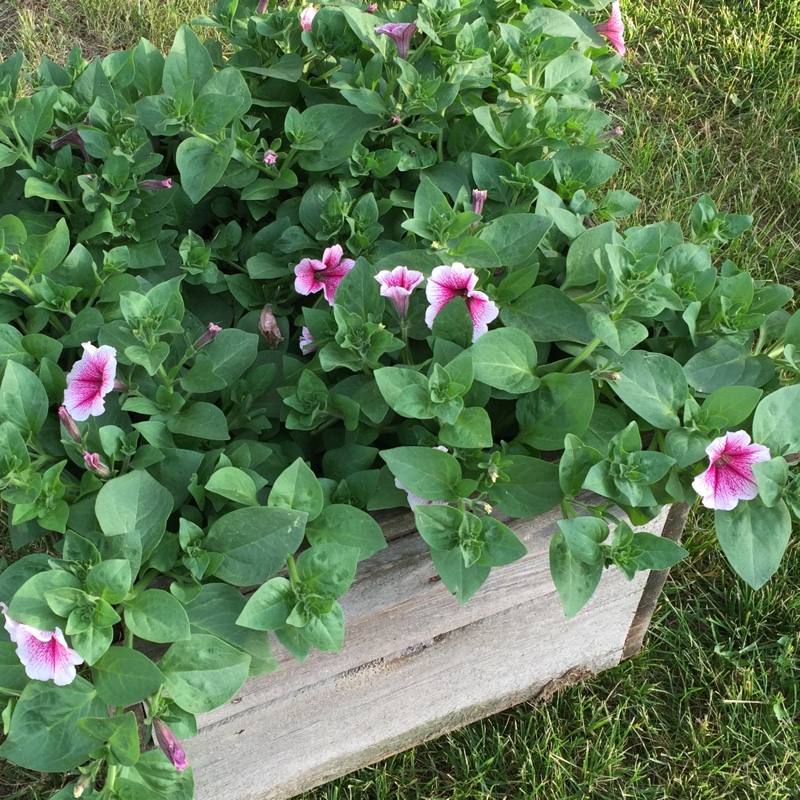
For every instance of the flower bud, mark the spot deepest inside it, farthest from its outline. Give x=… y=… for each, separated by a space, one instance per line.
x=210 y=334
x=478 y=199
x=307 y=17
x=268 y=326
x=96 y=465
x=262 y=6
x=152 y=184
x=166 y=740
x=69 y=424
x=270 y=157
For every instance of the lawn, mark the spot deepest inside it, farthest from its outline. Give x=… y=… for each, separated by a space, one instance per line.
x=710 y=708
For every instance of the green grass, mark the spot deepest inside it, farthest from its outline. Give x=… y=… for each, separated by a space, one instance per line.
x=710 y=709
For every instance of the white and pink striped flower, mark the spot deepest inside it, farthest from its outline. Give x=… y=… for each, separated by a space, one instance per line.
x=397 y=285
x=447 y=283
x=89 y=381
x=313 y=275
x=44 y=654
x=307 y=17
x=614 y=29
x=307 y=345
x=401 y=33
x=729 y=477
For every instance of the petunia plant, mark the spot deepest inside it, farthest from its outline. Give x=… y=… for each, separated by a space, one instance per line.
x=342 y=259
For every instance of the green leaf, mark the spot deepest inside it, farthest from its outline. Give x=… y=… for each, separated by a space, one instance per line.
x=43 y=254
x=723 y=365
x=234 y=484
x=297 y=487
x=156 y=616
x=575 y=463
x=202 y=164
x=255 y=542
x=771 y=477
x=587 y=253
x=754 y=538
x=618 y=334
x=93 y=642
x=12 y=674
x=515 y=237
x=776 y=423
x=217 y=610
x=653 y=386
x=269 y=607
x=657 y=552
x=222 y=361
x=325 y=632
x=730 y=406
x=124 y=676
x=347 y=525
x=568 y=73
x=134 y=505
x=583 y=536
x=203 y=672
x=530 y=487
x=148 y=68
x=29 y=605
x=339 y=128
x=44 y=735
x=201 y=421
x=427 y=472
x=110 y=579
x=438 y=525
x=328 y=569
x=461 y=581
x=472 y=430
x=153 y=777
x=188 y=60
x=23 y=399
x=546 y=314
x=121 y=733
x=506 y=359
x=563 y=404
x=575 y=580
x=500 y=545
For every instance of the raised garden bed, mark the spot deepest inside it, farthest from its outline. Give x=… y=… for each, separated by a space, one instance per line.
x=417 y=664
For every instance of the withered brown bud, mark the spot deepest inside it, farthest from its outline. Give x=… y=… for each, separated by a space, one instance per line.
x=268 y=326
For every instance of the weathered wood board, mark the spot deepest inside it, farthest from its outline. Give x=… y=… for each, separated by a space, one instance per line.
x=416 y=664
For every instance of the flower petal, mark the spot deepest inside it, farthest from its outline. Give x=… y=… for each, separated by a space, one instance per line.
x=483 y=311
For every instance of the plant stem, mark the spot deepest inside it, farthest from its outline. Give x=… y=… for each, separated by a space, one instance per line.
x=582 y=356
x=293 y=576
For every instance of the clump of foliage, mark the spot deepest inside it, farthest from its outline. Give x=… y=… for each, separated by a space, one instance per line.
x=359 y=260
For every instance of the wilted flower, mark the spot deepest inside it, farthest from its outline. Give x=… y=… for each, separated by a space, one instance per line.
x=270 y=157
x=729 y=477
x=89 y=381
x=166 y=740
x=401 y=33
x=262 y=6
x=612 y=134
x=307 y=17
x=95 y=464
x=268 y=326
x=153 y=184
x=478 y=199
x=44 y=654
x=371 y=8
x=614 y=29
x=69 y=424
x=398 y=284
x=71 y=137
x=307 y=345
x=396 y=119
x=210 y=334
x=313 y=275
x=447 y=283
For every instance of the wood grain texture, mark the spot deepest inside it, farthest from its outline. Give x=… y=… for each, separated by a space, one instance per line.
x=414 y=664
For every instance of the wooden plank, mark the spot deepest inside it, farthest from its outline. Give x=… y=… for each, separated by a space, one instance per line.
x=414 y=665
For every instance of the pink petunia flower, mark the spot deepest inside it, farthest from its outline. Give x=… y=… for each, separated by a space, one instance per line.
x=94 y=463
x=153 y=184
x=313 y=275
x=69 y=424
x=614 y=29
x=447 y=283
x=307 y=345
x=478 y=199
x=270 y=157
x=307 y=17
x=398 y=284
x=401 y=33
x=167 y=741
x=208 y=336
x=729 y=477
x=44 y=654
x=89 y=381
